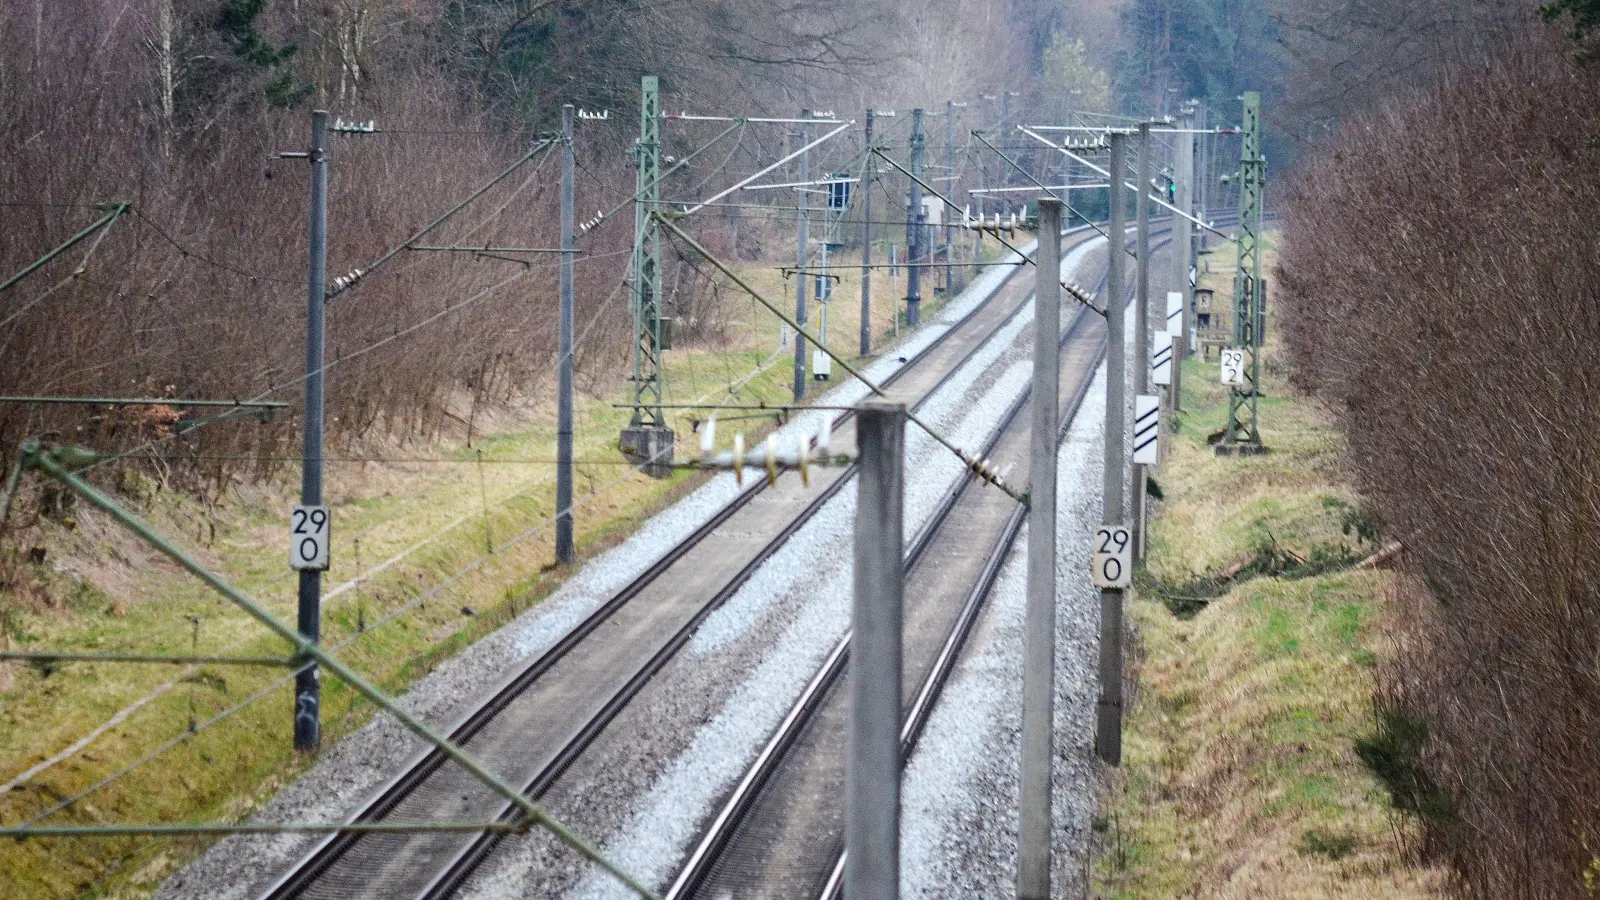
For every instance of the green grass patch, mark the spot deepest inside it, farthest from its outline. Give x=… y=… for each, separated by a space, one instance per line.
x=1246 y=769
x=95 y=588
x=1334 y=845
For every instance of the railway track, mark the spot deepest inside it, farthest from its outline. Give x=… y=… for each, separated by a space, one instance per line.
x=545 y=714
x=779 y=833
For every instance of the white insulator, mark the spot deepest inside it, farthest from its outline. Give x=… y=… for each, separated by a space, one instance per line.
x=824 y=436
x=738 y=459
x=708 y=436
x=771 y=459
x=346 y=280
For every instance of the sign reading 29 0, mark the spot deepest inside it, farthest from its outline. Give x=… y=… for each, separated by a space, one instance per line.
x=1111 y=560
x=308 y=537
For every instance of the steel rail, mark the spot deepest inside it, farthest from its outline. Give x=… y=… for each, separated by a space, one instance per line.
x=461 y=867
x=944 y=665
x=742 y=799
x=328 y=851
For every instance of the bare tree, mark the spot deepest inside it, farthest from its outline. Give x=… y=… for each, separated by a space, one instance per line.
x=1351 y=54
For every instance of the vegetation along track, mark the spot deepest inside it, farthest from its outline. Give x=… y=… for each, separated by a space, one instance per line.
x=779 y=833
x=548 y=711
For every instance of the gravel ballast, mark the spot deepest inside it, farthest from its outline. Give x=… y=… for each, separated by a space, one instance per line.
x=767 y=640
x=356 y=766
x=959 y=797
x=744 y=669
x=959 y=794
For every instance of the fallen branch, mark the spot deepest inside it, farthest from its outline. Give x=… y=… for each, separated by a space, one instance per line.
x=1385 y=554
x=1233 y=570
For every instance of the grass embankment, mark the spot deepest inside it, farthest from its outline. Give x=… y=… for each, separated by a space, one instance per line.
x=1241 y=777
x=433 y=521
x=445 y=591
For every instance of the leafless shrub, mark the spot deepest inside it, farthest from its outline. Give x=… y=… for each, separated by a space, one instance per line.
x=200 y=291
x=1440 y=273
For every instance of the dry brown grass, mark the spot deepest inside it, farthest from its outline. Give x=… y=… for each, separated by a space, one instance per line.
x=1241 y=778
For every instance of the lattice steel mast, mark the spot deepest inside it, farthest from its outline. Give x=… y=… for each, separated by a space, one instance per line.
x=1243 y=433
x=647 y=436
x=647 y=260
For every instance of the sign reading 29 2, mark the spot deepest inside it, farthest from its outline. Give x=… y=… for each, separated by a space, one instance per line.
x=1233 y=370
x=308 y=537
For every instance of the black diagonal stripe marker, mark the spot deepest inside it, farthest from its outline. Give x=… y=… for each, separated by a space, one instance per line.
x=1144 y=435
x=1146 y=425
